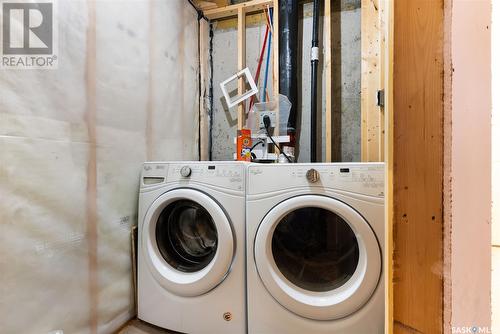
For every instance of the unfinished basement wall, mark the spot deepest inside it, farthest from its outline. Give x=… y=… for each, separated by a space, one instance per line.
x=225 y=64
x=471 y=164
x=346 y=81
x=72 y=141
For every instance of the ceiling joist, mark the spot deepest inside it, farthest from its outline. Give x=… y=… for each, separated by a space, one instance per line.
x=232 y=10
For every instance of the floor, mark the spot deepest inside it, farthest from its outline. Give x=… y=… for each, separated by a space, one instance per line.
x=140 y=327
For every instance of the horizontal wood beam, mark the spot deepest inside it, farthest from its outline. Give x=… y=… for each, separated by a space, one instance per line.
x=232 y=10
x=205 y=5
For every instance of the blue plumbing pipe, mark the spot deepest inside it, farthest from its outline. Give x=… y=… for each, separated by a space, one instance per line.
x=267 y=61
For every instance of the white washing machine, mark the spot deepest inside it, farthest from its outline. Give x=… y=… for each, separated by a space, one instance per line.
x=315 y=234
x=191 y=253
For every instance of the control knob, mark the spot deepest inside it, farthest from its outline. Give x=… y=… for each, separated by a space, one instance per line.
x=185 y=171
x=312 y=175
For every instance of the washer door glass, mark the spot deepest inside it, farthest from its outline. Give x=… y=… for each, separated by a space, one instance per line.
x=186 y=236
x=187 y=242
x=315 y=249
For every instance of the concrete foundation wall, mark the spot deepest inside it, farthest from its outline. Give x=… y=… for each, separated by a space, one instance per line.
x=346 y=60
x=225 y=64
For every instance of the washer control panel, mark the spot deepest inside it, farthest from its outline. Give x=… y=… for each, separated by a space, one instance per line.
x=361 y=178
x=220 y=174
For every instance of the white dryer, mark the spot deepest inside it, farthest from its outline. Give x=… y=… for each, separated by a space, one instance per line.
x=315 y=234
x=191 y=262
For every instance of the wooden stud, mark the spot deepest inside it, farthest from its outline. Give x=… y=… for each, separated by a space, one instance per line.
x=241 y=62
x=417 y=166
x=276 y=61
x=328 y=81
x=372 y=144
x=385 y=12
x=233 y=10
x=387 y=8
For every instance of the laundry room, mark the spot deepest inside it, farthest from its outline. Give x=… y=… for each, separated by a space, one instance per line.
x=259 y=166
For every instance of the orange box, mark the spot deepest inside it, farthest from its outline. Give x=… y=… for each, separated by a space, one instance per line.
x=244 y=145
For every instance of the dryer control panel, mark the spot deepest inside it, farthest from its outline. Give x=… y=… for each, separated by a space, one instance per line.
x=219 y=174
x=361 y=178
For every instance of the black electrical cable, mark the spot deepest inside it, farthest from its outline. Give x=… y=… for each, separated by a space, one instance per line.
x=211 y=91
x=260 y=141
x=267 y=124
x=271 y=137
x=257 y=143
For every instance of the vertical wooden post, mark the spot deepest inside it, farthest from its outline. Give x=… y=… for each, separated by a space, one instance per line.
x=328 y=80
x=388 y=51
x=241 y=62
x=372 y=143
x=276 y=61
x=384 y=17
x=418 y=166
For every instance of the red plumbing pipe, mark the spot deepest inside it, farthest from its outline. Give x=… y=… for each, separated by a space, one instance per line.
x=257 y=74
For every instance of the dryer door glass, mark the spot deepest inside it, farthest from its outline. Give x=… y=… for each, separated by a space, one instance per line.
x=315 y=249
x=317 y=256
x=186 y=236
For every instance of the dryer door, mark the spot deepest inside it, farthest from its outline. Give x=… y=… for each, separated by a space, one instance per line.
x=317 y=257
x=187 y=242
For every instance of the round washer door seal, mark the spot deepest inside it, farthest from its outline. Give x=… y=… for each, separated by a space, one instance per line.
x=188 y=283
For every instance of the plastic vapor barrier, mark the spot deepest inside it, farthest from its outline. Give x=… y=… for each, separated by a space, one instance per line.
x=72 y=141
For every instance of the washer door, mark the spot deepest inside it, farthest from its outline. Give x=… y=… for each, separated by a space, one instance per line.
x=188 y=242
x=317 y=257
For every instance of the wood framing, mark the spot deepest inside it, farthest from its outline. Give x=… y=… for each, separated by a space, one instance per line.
x=241 y=62
x=205 y=5
x=232 y=10
x=387 y=10
x=276 y=61
x=328 y=80
x=372 y=116
x=240 y=11
x=417 y=166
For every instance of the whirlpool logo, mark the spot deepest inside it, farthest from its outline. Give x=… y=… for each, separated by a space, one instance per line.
x=29 y=35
